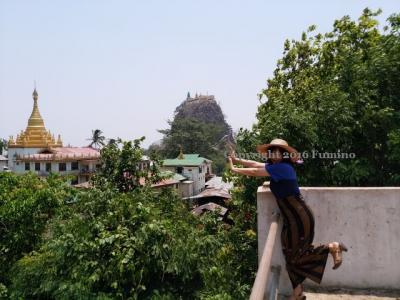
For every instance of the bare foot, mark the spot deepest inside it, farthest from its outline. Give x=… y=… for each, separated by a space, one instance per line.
x=297 y=293
x=335 y=249
x=333 y=246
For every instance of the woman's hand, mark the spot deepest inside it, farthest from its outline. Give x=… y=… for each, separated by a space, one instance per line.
x=232 y=155
x=254 y=172
x=230 y=161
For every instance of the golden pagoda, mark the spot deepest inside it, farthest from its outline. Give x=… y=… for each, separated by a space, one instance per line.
x=35 y=134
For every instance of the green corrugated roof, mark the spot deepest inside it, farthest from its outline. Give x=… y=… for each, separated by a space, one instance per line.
x=179 y=177
x=188 y=160
x=172 y=175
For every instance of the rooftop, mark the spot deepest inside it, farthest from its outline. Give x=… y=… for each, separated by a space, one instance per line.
x=186 y=160
x=173 y=175
x=62 y=153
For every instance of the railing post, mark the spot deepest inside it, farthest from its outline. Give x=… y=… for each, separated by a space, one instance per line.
x=264 y=267
x=266 y=205
x=273 y=290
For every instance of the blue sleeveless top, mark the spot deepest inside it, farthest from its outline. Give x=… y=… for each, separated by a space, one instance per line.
x=283 y=179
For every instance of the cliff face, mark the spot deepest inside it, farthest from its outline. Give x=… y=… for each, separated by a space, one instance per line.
x=203 y=108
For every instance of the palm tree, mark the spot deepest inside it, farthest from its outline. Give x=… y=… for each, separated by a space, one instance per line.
x=97 y=139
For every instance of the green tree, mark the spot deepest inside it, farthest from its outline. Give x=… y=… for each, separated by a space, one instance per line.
x=3 y=145
x=120 y=166
x=337 y=92
x=97 y=139
x=27 y=203
x=195 y=137
x=115 y=242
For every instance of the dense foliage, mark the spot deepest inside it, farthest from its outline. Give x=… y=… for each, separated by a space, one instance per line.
x=27 y=203
x=120 y=166
x=138 y=245
x=195 y=136
x=337 y=92
x=114 y=242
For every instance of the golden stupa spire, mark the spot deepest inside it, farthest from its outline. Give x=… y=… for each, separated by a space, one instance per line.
x=35 y=134
x=35 y=120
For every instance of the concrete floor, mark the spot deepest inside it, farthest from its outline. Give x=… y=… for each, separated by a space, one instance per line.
x=316 y=293
x=320 y=296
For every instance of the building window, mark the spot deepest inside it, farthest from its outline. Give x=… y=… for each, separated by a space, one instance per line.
x=62 y=167
x=200 y=170
x=48 y=167
x=179 y=170
x=37 y=166
x=27 y=166
x=74 y=165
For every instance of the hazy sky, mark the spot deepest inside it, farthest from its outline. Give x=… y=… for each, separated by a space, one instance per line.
x=124 y=66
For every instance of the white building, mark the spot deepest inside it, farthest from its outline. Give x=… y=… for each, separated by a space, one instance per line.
x=192 y=166
x=37 y=150
x=3 y=163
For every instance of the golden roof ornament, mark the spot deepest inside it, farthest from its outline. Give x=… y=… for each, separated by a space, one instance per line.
x=181 y=156
x=35 y=134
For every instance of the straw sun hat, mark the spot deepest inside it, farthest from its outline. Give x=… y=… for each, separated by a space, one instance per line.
x=294 y=155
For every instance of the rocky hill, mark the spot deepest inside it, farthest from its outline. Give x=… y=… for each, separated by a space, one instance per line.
x=203 y=108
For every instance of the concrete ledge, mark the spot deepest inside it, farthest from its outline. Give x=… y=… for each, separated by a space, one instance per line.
x=366 y=219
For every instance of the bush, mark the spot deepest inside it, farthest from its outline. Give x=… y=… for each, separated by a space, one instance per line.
x=138 y=245
x=26 y=205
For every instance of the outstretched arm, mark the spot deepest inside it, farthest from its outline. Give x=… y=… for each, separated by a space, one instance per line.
x=254 y=171
x=246 y=162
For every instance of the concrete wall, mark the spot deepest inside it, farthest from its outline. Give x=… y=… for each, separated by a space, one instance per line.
x=3 y=163
x=185 y=188
x=366 y=219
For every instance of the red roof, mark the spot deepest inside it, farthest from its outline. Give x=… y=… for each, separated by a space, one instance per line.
x=63 y=153
x=164 y=182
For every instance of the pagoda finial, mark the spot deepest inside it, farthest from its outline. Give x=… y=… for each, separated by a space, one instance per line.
x=180 y=156
x=35 y=93
x=188 y=95
x=35 y=120
x=59 y=141
x=11 y=140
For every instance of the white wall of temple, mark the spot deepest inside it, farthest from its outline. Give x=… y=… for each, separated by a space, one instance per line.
x=62 y=167
x=12 y=152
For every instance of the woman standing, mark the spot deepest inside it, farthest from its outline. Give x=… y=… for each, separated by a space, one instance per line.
x=303 y=259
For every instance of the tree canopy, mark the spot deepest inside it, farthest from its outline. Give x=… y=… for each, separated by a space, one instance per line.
x=118 y=240
x=337 y=93
x=194 y=136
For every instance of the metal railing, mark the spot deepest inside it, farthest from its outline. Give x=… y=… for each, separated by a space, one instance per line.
x=264 y=267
